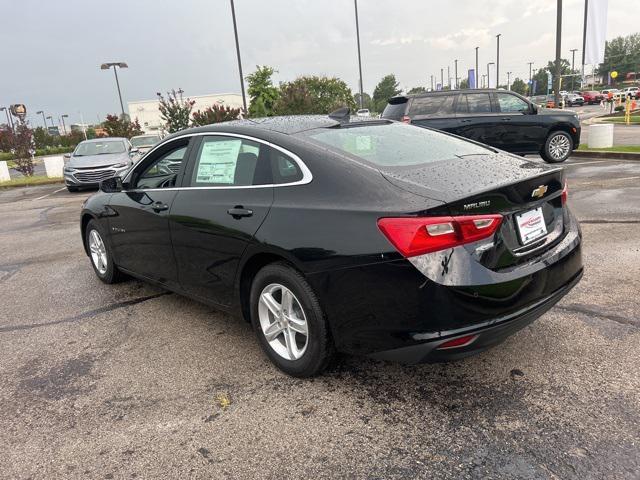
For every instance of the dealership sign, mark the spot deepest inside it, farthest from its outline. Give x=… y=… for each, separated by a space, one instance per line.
x=18 y=110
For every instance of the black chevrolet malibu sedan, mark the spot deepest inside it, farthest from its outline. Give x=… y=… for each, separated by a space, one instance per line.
x=368 y=237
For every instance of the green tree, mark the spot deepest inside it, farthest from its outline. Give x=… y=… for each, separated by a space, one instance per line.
x=120 y=127
x=175 y=111
x=621 y=54
x=262 y=92
x=387 y=87
x=366 y=100
x=41 y=138
x=416 y=90
x=313 y=95
x=215 y=114
x=519 y=86
x=21 y=144
x=464 y=84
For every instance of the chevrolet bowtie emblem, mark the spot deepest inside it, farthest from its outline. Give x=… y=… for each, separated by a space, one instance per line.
x=539 y=192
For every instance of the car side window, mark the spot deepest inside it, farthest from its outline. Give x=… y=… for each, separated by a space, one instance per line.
x=163 y=171
x=474 y=103
x=230 y=161
x=512 y=104
x=432 y=105
x=283 y=168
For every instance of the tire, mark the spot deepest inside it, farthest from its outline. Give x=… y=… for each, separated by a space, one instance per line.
x=557 y=147
x=315 y=349
x=106 y=270
x=72 y=189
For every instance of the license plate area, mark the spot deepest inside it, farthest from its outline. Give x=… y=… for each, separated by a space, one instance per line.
x=531 y=226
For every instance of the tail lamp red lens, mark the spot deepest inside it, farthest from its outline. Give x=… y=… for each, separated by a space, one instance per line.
x=413 y=236
x=406 y=119
x=457 y=342
x=565 y=193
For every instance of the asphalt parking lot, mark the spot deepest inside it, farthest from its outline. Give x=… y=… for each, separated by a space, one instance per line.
x=127 y=381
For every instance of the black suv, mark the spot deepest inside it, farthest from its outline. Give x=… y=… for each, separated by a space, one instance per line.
x=499 y=118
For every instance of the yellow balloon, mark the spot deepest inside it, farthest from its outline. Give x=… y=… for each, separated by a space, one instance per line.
x=614 y=74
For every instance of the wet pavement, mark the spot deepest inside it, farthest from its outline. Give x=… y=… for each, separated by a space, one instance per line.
x=128 y=381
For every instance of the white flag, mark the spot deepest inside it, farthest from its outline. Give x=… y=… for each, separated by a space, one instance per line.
x=596 y=31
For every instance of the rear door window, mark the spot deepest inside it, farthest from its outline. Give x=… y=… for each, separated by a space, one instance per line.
x=436 y=105
x=474 y=104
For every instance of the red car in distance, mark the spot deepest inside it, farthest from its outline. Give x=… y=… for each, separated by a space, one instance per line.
x=591 y=97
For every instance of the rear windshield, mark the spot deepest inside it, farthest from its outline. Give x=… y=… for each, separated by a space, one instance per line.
x=394 y=111
x=394 y=145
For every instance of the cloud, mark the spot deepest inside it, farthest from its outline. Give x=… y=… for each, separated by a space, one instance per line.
x=465 y=38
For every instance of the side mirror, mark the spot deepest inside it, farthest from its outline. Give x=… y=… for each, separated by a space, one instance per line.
x=66 y=156
x=111 y=185
x=534 y=109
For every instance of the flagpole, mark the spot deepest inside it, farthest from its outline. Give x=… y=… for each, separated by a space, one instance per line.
x=584 y=39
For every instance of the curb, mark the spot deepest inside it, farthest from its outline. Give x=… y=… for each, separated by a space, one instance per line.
x=612 y=155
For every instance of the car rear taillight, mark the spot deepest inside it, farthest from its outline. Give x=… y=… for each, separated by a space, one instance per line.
x=565 y=193
x=413 y=236
x=406 y=119
x=457 y=342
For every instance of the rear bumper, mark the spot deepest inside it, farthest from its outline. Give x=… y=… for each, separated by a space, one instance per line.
x=489 y=334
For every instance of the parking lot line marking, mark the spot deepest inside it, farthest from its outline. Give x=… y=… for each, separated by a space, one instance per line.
x=45 y=196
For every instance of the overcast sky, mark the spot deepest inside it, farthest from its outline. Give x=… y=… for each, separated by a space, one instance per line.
x=52 y=50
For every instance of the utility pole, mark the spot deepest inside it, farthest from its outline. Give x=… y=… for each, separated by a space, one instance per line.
x=573 y=72
x=235 y=32
x=476 y=71
x=530 y=80
x=455 y=63
x=498 y=60
x=556 y=80
x=355 y=3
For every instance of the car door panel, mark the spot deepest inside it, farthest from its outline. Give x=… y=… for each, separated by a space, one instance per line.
x=476 y=120
x=520 y=131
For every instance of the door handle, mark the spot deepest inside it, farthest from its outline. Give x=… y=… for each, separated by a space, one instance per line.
x=465 y=120
x=159 y=207
x=239 y=211
x=506 y=119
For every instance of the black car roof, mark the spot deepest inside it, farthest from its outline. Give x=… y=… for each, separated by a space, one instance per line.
x=288 y=124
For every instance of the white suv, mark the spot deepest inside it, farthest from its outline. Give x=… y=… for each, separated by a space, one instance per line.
x=632 y=92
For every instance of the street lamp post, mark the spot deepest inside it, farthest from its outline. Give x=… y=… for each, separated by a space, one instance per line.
x=9 y=121
x=530 y=79
x=573 y=61
x=235 y=32
x=355 y=3
x=498 y=60
x=43 y=119
x=432 y=83
x=64 y=127
x=442 y=79
x=449 y=77
x=455 y=63
x=508 y=80
x=483 y=79
x=556 y=83
x=116 y=65
x=50 y=118
x=488 y=76
x=476 y=72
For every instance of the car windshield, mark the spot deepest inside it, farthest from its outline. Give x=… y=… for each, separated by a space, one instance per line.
x=145 y=141
x=99 y=148
x=394 y=144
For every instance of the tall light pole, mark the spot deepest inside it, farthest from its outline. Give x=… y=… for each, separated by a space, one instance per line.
x=355 y=4
x=442 y=79
x=432 y=83
x=556 y=80
x=116 y=65
x=476 y=72
x=64 y=127
x=455 y=68
x=483 y=78
x=498 y=60
x=573 y=61
x=235 y=32
x=488 y=76
x=43 y=119
x=530 y=79
x=51 y=118
x=449 y=77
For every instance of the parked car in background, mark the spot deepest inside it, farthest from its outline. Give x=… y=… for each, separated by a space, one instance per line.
x=592 y=97
x=571 y=99
x=631 y=92
x=461 y=247
x=499 y=118
x=144 y=142
x=95 y=160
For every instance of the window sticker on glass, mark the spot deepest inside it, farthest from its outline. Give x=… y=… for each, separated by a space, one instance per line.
x=218 y=161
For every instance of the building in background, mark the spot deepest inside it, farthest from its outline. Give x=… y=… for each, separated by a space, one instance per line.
x=148 y=113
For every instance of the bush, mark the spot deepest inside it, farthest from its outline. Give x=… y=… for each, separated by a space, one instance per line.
x=619 y=108
x=41 y=152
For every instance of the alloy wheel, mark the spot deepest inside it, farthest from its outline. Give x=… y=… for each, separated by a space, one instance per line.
x=98 y=252
x=283 y=321
x=559 y=147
